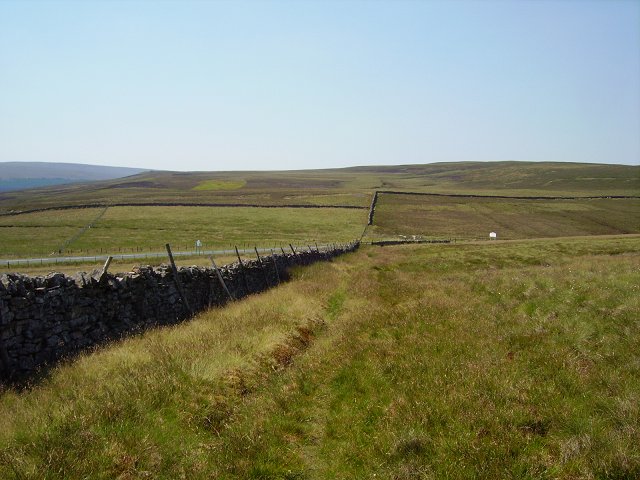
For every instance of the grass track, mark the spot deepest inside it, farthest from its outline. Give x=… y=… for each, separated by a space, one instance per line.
x=502 y=360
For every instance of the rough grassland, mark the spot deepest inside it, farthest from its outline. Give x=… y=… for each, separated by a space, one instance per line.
x=346 y=186
x=149 y=228
x=502 y=360
x=220 y=185
x=474 y=218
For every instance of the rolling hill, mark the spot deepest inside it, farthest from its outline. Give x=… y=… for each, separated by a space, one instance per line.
x=346 y=186
x=23 y=175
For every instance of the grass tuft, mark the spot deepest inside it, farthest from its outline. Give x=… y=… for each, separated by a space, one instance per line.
x=502 y=360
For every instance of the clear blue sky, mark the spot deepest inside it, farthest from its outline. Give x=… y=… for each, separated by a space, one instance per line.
x=270 y=85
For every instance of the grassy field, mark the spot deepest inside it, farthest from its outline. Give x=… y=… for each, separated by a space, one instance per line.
x=474 y=218
x=493 y=360
x=132 y=229
x=348 y=186
x=147 y=229
x=41 y=233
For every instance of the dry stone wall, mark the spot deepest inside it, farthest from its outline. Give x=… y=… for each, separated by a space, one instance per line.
x=46 y=318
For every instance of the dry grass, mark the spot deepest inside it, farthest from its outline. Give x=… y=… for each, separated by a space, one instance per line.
x=503 y=360
x=474 y=218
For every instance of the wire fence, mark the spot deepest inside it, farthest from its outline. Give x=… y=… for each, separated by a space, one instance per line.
x=245 y=249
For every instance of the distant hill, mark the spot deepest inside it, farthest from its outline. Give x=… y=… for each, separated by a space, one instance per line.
x=21 y=175
x=343 y=186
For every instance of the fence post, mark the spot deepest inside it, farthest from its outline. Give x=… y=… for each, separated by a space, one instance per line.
x=284 y=254
x=105 y=267
x=176 y=279
x=275 y=264
x=264 y=272
x=244 y=276
x=224 y=285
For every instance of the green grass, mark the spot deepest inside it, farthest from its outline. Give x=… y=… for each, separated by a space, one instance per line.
x=474 y=218
x=220 y=185
x=492 y=360
x=41 y=233
x=127 y=229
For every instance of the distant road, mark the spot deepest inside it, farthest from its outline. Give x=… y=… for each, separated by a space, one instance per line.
x=31 y=262
x=173 y=204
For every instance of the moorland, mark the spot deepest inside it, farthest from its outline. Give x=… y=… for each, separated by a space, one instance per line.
x=131 y=214
x=516 y=358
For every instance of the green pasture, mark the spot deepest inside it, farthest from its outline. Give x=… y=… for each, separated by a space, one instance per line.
x=220 y=185
x=474 y=218
x=41 y=233
x=494 y=360
x=148 y=229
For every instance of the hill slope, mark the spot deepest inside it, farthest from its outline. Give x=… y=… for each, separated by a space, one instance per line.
x=348 y=186
x=20 y=175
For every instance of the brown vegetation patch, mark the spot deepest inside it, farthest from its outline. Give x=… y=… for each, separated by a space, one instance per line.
x=282 y=354
x=237 y=380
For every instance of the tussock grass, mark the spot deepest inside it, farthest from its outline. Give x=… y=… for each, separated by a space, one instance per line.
x=495 y=360
x=172 y=387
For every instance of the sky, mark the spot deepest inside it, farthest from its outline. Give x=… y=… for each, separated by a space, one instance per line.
x=216 y=85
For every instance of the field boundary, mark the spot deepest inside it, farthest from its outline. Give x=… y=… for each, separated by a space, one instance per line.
x=372 y=208
x=44 y=319
x=382 y=243
x=173 y=204
x=513 y=197
x=81 y=232
x=29 y=262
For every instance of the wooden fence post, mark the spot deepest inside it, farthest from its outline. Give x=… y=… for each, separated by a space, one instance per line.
x=264 y=272
x=105 y=268
x=244 y=276
x=224 y=285
x=275 y=264
x=177 y=281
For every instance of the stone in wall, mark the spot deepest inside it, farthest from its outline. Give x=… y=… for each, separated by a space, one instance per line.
x=46 y=318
